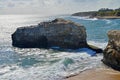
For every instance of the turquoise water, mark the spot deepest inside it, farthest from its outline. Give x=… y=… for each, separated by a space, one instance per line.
x=97 y=28
x=42 y=64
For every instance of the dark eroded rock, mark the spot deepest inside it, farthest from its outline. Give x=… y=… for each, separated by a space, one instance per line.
x=59 y=32
x=112 y=51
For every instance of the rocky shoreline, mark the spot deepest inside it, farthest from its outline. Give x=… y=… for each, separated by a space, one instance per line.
x=65 y=34
x=103 y=13
x=69 y=35
x=111 y=57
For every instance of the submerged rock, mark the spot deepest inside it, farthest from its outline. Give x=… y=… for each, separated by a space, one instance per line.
x=57 y=33
x=94 y=48
x=112 y=51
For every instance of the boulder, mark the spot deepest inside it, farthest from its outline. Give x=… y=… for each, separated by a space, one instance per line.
x=112 y=51
x=57 y=33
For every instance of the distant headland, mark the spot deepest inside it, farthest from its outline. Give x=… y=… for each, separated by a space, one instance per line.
x=103 y=13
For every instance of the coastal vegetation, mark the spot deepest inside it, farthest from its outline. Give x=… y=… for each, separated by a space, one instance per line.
x=108 y=12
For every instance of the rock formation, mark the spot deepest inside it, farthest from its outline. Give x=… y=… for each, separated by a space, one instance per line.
x=112 y=51
x=59 y=32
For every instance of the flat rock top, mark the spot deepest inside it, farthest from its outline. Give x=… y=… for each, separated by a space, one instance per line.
x=60 y=21
x=57 y=21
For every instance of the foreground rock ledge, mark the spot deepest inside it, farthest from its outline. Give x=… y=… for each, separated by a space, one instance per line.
x=112 y=51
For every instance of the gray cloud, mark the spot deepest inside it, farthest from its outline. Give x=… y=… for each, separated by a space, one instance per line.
x=10 y=5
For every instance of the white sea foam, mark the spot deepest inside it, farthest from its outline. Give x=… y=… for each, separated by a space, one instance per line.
x=107 y=21
x=92 y=19
x=67 y=64
x=77 y=17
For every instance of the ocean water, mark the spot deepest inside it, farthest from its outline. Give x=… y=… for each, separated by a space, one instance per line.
x=43 y=64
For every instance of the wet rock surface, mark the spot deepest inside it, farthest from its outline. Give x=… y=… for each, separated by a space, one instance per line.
x=112 y=51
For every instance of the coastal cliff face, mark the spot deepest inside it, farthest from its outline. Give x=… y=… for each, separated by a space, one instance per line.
x=82 y=14
x=57 y=33
x=112 y=51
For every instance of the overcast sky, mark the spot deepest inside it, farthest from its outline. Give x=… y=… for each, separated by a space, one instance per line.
x=47 y=7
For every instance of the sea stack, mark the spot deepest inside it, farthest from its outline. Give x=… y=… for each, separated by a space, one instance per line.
x=112 y=51
x=57 y=33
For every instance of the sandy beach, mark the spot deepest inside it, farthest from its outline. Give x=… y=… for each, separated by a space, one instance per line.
x=97 y=74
